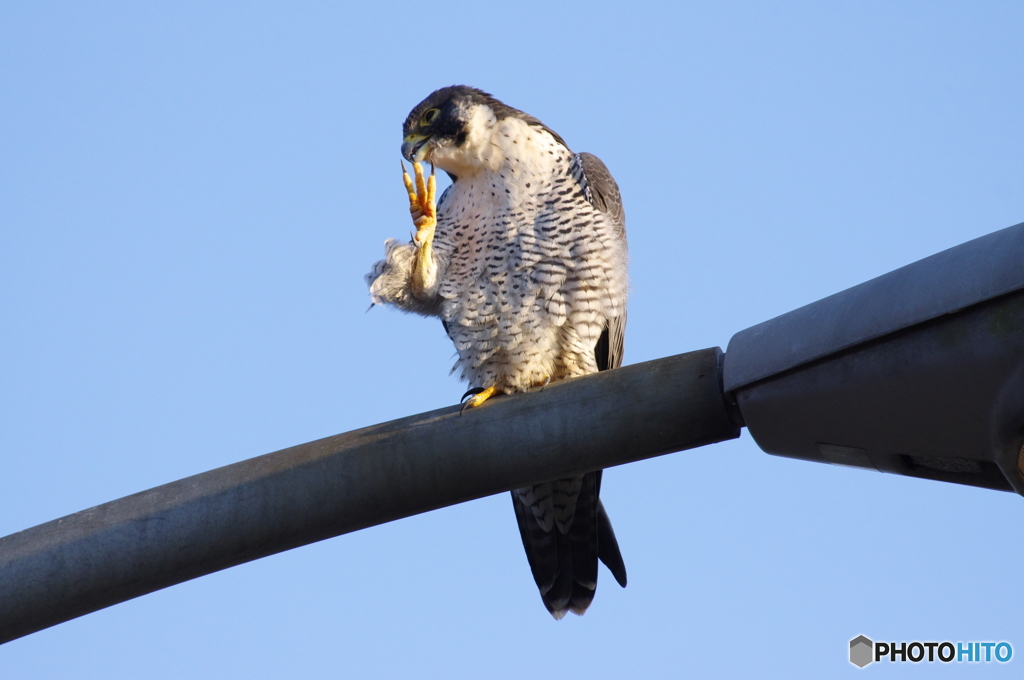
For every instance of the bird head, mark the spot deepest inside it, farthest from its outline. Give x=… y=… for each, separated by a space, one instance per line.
x=452 y=127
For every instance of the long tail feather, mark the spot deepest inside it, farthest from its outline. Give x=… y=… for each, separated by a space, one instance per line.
x=564 y=534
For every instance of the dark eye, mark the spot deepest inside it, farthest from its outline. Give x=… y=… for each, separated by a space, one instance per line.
x=429 y=116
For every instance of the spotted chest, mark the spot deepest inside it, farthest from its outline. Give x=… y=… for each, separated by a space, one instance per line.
x=529 y=272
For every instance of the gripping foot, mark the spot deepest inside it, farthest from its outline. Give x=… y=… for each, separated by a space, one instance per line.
x=477 y=396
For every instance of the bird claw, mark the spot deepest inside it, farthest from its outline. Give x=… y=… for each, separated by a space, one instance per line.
x=477 y=396
x=422 y=205
x=470 y=392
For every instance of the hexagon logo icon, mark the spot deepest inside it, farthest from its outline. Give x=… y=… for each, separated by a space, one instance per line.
x=862 y=651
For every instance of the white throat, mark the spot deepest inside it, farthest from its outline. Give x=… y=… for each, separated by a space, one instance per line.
x=494 y=146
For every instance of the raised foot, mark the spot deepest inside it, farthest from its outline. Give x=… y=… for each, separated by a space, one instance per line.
x=422 y=205
x=478 y=397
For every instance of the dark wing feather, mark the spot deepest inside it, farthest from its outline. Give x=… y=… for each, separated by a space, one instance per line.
x=610 y=346
x=608 y=546
x=600 y=189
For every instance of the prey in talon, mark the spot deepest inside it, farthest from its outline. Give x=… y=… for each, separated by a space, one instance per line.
x=523 y=260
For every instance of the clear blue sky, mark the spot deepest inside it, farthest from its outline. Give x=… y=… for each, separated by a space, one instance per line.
x=190 y=195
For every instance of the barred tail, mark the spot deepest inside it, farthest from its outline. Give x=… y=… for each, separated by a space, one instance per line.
x=563 y=555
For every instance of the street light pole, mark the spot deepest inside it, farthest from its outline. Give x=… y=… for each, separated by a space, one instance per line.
x=218 y=519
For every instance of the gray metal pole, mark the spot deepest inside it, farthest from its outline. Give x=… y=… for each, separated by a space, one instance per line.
x=129 y=547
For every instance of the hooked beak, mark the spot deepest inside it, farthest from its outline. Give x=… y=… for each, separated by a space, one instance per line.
x=414 y=147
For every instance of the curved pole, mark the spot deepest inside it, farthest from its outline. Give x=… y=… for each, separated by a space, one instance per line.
x=218 y=519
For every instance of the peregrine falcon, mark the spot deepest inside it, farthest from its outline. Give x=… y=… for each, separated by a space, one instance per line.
x=524 y=261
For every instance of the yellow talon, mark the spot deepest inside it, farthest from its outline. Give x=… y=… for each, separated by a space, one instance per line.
x=424 y=215
x=422 y=204
x=414 y=202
